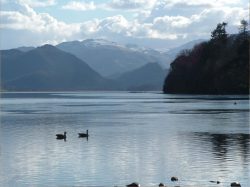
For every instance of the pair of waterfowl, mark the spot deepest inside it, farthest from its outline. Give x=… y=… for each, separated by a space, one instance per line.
x=80 y=135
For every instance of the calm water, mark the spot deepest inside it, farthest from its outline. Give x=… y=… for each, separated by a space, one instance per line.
x=144 y=137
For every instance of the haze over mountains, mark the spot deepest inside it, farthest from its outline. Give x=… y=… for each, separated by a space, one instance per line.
x=149 y=77
x=47 y=68
x=112 y=59
x=109 y=58
x=87 y=65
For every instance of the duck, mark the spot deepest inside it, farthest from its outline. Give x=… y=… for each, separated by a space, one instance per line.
x=61 y=136
x=84 y=135
x=217 y=182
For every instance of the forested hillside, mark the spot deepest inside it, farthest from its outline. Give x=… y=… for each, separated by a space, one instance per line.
x=218 y=66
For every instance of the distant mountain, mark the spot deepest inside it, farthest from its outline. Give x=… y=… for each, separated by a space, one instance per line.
x=7 y=55
x=64 y=67
x=109 y=58
x=25 y=49
x=188 y=45
x=218 y=66
x=48 y=68
x=172 y=53
x=148 y=77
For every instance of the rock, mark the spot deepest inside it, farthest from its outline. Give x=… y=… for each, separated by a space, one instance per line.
x=161 y=185
x=235 y=184
x=134 y=184
x=174 y=179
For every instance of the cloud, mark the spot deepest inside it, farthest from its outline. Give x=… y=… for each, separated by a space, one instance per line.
x=90 y=27
x=38 y=3
x=42 y=28
x=115 y=24
x=195 y=17
x=131 y=4
x=190 y=7
x=80 y=6
x=40 y=24
x=214 y=3
x=164 y=21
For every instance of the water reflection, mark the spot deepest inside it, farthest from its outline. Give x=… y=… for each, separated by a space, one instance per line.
x=224 y=145
x=141 y=137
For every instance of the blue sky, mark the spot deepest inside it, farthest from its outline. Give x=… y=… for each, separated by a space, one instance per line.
x=149 y=23
x=76 y=16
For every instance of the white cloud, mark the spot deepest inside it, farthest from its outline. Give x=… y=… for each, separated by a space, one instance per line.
x=167 y=20
x=191 y=7
x=41 y=24
x=115 y=24
x=214 y=3
x=207 y=20
x=90 y=27
x=131 y=4
x=142 y=15
x=171 y=23
x=44 y=28
x=38 y=3
x=195 y=17
x=80 y=6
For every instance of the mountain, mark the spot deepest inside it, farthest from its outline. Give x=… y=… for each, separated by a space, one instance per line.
x=10 y=54
x=109 y=58
x=170 y=55
x=146 y=78
x=48 y=68
x=25 y=49
x=189 y=45
x=218 y=66
x=126 y=67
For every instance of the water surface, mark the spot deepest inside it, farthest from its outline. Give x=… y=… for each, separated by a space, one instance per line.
x=144 y=137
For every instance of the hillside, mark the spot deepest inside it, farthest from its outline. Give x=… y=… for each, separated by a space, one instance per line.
x=219 y=66
x=48 y=68
x=149 y=77
x=110 y=58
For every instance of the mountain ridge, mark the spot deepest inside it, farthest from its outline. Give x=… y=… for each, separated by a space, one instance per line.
x=49 y=68
x=24 y=66
x=148 y=77
x=110 y=58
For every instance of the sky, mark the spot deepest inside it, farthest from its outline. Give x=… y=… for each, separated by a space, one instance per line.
x=159 y=24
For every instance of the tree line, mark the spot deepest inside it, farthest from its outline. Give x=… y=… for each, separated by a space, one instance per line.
x=218 y=66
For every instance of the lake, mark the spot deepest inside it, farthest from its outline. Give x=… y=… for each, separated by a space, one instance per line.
x=144 y=137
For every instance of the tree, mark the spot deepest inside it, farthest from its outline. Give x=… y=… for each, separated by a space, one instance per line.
x=243 y=26
x=220 y=32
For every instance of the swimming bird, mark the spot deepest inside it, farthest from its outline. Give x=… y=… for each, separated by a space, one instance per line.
x=84 y=135
x=134 y=184
x=217 y=182
x=61 y=136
